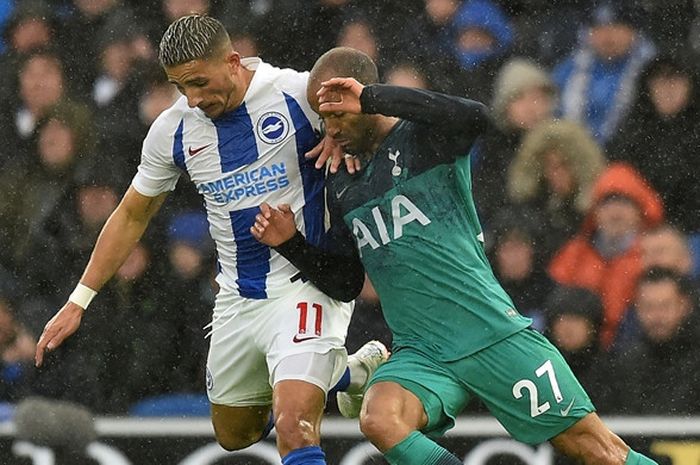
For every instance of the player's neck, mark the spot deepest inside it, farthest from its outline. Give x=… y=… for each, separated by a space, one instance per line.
x=237 y=97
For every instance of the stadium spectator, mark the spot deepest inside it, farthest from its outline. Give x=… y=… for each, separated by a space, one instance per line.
x=574 y=319
x=42 y=86
x=315 y=25
x=78 y=38
x=597 y=81
x=660 y=136
x=357 y=33
x=605 y=255
x=664 y=246
x=30 y=27
x=547 y=30
x=667 y=247
x=553 y=172
x=426 y=37
x=481 y=41
x=524 y=96
x=177 y=320
x=119 y=381
x=16 y=348
x=406 y=74
x=666 y=350
x=515 y=245
x=36 y=182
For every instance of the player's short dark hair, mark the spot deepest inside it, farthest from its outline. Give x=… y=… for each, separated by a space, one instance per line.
x=345 y=62
x=190 y=38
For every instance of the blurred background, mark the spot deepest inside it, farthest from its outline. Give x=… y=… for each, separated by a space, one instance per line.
x=586 y=185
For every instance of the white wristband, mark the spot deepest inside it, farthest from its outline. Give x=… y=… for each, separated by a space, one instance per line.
x=82 y=295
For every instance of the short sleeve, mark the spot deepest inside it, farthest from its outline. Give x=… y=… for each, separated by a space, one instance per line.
x=157 y=172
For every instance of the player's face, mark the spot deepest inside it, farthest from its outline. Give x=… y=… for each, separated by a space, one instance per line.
x=214 y=85
x=352 y=132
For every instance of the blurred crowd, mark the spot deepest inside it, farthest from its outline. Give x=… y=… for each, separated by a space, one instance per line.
x=586 y=183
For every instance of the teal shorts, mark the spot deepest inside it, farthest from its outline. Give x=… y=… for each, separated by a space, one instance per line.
x=523 y=380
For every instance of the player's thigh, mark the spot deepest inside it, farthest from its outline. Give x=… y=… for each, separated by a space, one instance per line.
x=391 y=402
x=441 y=395
x=306 y=321
x=526 y=383
x=238 y=427
x=237 y=373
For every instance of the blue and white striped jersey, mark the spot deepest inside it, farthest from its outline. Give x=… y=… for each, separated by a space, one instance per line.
x=250 y=155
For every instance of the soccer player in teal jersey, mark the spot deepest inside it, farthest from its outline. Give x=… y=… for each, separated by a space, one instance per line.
x=456 y=332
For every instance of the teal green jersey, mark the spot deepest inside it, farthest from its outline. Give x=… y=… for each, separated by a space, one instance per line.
x=413 y=217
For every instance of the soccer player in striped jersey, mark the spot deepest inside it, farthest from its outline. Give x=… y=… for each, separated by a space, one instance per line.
x=240 y=132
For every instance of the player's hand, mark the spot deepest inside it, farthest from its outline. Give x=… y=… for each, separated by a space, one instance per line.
x=327 y=149
x=273 y=226
x=340 y=95
x=63 y=324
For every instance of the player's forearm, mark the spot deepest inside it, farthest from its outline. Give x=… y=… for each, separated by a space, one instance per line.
x=114 y=244
x=338 y=276
x=450 y=113
x=118 y=237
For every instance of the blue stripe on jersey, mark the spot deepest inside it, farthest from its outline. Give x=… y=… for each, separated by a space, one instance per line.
x=311 y=178
x=252 y=257
x=178 y=148
x=237 y=146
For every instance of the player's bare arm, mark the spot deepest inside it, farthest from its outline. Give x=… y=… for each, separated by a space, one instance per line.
x=340 y=95
x=119 y=235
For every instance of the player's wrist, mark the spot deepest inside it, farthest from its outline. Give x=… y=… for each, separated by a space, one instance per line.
x=82 y=296
x=292 y=244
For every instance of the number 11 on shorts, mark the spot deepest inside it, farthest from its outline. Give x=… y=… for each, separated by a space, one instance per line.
x=304 y=332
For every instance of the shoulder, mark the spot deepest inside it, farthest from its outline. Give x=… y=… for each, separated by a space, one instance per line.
x=163 y=129
x=284 y=79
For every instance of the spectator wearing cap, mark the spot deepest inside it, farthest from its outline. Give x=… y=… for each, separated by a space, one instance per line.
x=659 y=373
x=524 y=96
x=482 y=39
x=597 y=81
x=660 y=137
x=553 y=172
x=574 y=318
x=605 y=255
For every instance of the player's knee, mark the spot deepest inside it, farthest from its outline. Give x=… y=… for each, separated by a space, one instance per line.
x=375 y=424
x=295 y=431
x=594 y=447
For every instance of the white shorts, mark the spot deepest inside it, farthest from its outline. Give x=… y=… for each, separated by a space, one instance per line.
x=251 y=337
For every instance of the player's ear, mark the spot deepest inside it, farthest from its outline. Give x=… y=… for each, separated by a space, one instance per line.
x=233 y=58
